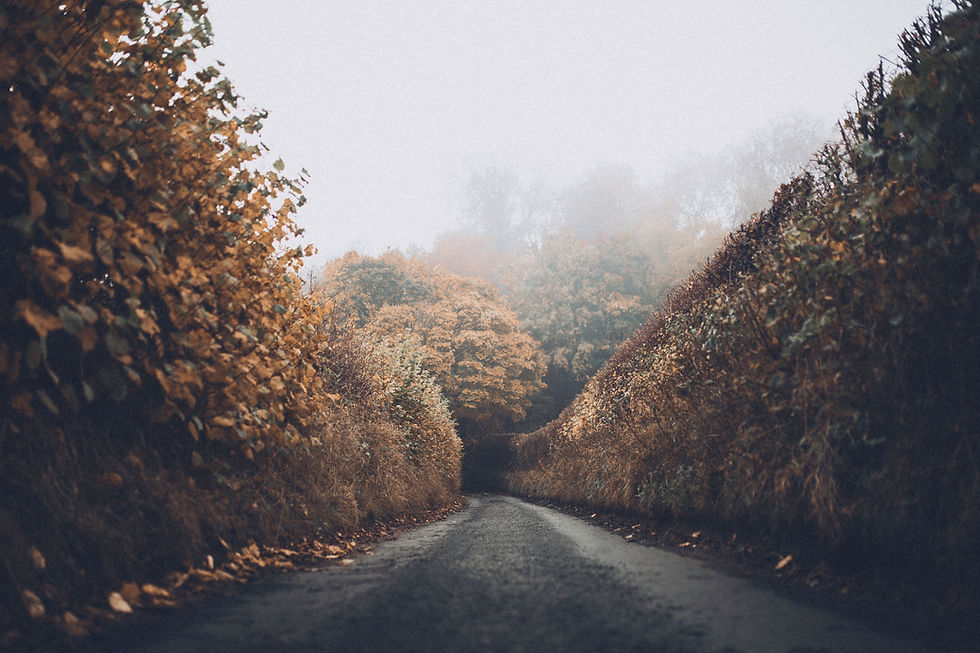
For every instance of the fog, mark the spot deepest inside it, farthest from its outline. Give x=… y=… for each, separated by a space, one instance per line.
x=392 y=107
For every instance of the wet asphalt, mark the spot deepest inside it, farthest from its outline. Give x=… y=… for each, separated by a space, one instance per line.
x=506 y=575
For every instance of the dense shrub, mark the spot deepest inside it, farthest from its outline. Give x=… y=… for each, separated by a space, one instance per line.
x=469 y=339
x=818 y=375
x=165 y=386
x=388 y=383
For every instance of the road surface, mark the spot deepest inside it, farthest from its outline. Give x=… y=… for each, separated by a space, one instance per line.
x=506 y=575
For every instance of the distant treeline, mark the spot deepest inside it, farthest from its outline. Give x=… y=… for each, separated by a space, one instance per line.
x=584 y=265
x=818 y=377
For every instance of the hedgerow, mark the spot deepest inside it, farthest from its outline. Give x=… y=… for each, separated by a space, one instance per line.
x=165 y=385
x=817 y=377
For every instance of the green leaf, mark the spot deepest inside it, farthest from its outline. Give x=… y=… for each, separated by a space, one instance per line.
x=117 y=346
x=279 y=165
x=71 y=397
x=47 y=401
x=70 y=320
x=33 y=354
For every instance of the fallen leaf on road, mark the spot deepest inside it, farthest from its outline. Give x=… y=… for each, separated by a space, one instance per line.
x=178 y=579
x=118 y=603
x=202 y=574
x=37 y=558
x=73 y=626
x=153 y=590
x=33 y=604
x=782 y=563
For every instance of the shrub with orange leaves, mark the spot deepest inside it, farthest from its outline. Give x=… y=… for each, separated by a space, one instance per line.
x=470 y=340
x=164 y=382
x=142 y=259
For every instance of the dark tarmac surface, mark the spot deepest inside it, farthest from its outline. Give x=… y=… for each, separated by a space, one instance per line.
x=505 y=575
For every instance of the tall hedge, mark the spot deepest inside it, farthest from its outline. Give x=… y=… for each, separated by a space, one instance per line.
x=818 y=377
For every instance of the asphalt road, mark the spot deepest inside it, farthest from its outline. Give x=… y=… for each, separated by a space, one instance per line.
x=505 y=575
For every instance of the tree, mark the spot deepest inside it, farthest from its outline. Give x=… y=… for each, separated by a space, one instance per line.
x=471 y=341
x=581 y=300
x=728 y=187
x=466 y=253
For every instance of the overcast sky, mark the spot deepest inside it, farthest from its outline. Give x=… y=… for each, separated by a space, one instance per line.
x=390 y=104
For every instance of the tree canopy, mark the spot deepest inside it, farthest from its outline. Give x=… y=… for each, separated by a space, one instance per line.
x=471 y=341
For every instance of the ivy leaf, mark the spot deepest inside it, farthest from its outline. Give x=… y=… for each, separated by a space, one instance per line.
x=71 y=321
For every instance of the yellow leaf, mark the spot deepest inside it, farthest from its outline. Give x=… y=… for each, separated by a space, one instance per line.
x=785 y=561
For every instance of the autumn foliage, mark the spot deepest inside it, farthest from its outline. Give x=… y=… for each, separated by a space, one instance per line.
x=817 y=377
x=467 y=337
x=164 y=382
x=140 y=248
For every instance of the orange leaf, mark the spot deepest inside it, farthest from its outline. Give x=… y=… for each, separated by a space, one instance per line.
x=42 y=321
x=88 y=337
x=38 y=204
x=55 y=280
x=75 y=254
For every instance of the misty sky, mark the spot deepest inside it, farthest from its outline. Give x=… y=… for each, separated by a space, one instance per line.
x=389 y=105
